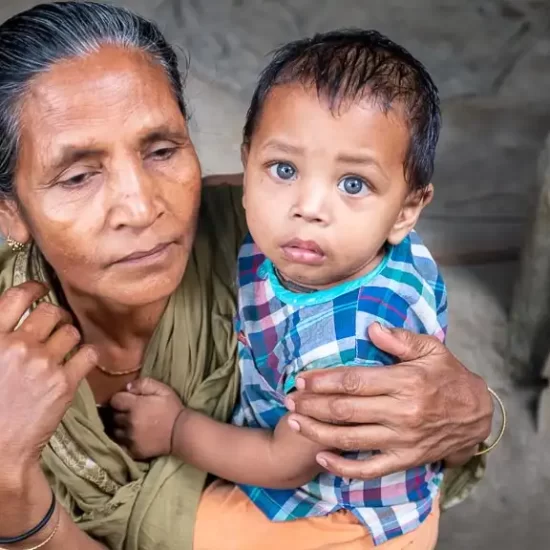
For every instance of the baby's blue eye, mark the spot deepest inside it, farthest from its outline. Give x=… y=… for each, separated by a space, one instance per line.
x=283 y=171
x=352 y=185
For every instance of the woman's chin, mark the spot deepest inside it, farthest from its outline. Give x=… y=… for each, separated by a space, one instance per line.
x=146 y=293
x=145 y=282
x=144 y=288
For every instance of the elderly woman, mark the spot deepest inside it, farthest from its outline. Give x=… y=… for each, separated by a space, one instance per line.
x=115 y=267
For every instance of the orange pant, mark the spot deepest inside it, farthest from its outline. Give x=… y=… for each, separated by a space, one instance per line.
x=228 y=520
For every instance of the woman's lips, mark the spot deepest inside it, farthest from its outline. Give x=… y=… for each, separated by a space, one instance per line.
x=154 y=254
x=303 y=252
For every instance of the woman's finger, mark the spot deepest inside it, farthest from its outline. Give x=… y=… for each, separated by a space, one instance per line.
x=43 y=320
x=347 y=438
x=80 y=365
x=344 y=409
x=407 y=346
x=377 y=466
x=62 y=342
x=364 y=381
x=15 y=301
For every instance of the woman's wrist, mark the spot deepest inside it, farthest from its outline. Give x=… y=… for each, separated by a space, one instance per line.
x=486 y=446
x=17 y=477
x=25 y=497
x=483 y=446
x=461 y=457
x=24 y=504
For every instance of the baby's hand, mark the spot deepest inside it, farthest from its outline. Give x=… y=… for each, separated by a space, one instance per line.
x=145 y=417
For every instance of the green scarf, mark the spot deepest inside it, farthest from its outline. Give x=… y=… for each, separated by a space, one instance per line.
x=132 y=505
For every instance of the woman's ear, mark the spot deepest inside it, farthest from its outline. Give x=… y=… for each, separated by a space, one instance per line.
x=410 y=212
x=12 y=223
x=245 y=149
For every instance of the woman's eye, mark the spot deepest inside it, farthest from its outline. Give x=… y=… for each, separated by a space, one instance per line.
x=163 y=154
x=283 y=171
x=352 y=185
x=79 y=179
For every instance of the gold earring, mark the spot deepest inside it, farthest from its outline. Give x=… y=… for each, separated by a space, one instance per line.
x=16 y=246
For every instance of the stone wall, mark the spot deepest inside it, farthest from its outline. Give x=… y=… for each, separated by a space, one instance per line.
x=529 y=342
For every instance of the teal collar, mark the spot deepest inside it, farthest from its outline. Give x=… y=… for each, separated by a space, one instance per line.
x=299 y=299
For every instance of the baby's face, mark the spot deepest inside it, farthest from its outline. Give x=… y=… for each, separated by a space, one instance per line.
x=323 y=193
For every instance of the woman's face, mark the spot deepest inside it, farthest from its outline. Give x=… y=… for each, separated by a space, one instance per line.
x=107 y=177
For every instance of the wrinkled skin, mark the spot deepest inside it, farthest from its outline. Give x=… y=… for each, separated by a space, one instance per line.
x=427 y=408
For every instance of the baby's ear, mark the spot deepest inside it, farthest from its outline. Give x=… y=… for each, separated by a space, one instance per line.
x=245 y=148
x=410 y=212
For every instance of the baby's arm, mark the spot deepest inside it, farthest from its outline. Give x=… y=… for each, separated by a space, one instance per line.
x=152 y=421
x=282 y=459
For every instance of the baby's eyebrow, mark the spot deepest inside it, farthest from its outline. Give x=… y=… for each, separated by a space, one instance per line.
x=357 y=158
x=283 y=147
x=363 y=159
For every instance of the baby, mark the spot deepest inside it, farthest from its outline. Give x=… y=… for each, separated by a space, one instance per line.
x=338 y=153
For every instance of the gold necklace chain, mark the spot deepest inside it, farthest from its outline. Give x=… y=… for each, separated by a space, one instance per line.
x=118 y=373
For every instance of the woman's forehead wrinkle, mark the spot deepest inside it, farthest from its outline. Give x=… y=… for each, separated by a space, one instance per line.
x=59 y=113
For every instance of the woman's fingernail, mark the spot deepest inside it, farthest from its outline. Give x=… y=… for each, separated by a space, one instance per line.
x=321 y=461
x=129 y=386
x=300 y=384
x=383 y=328
x=294 y=426
x=290 y=405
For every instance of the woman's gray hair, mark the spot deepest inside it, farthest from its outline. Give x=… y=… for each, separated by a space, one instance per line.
x=34 y=40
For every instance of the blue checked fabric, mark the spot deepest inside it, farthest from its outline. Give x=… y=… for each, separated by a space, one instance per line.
x=282 y=333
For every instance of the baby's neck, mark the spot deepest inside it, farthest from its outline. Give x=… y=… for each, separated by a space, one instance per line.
x=292 y=286
x=301 y=288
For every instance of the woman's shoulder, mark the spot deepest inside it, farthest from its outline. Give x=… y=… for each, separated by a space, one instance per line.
x=223 y=180
x=224 y=194
x=222 y=213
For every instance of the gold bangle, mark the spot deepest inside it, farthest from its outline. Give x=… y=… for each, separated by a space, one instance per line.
x=489 y=448
x=48 y=539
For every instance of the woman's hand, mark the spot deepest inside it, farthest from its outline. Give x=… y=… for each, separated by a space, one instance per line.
x=36 y=384
x=425 y=409
x=145 y=417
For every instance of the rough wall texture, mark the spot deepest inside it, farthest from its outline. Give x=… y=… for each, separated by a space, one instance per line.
x=530 y=313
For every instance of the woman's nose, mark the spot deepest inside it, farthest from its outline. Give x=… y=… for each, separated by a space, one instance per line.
x=135 y=199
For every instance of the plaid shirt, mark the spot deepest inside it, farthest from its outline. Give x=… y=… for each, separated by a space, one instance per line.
x=282 y=333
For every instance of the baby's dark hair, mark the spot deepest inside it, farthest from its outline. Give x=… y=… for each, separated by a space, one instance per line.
x=350 y=65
